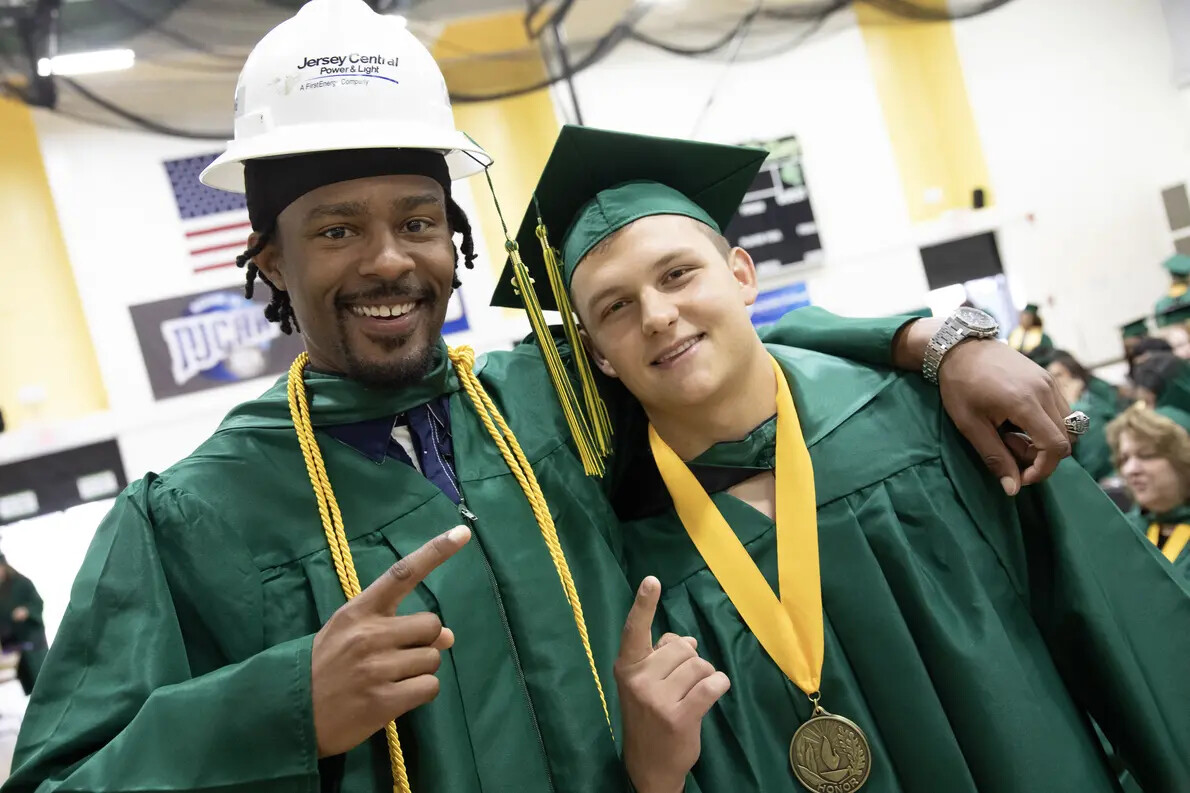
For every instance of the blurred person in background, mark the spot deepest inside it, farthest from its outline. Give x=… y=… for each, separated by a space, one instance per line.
x=1145 y=346
x=1135 y=354
x=1029 y=336
x=1179 y=339
x=1131 y=333
x=1178 y=267
x=1162 y=382
x=1093 y=396
x=22 y=627
x=1174 y=328
x=1152 y=453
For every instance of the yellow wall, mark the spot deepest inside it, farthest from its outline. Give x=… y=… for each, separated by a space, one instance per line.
x=43 y=335
x=518 y=132
x=919 y=80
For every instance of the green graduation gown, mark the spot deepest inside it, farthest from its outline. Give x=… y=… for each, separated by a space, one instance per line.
x=1092 y=450
x=1142 y=520
x=25 y=636
x=969 y=635
x=1106 y=393
x=183 y=661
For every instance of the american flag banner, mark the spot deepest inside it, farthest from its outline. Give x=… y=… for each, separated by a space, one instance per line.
x=215 y=222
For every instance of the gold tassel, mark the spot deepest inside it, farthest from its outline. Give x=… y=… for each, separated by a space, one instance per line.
x=600 y=426
x=592 y=461
x=588 y=450
x=336 y=536
x=463 y=359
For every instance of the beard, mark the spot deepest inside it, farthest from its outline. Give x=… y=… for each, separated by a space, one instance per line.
x=401 y=372
x=403 y=361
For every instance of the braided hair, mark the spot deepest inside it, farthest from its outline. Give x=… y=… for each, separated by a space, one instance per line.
x=280 y=309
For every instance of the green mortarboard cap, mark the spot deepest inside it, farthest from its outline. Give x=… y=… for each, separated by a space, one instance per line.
x=1031 y=308
x=1166 y=304
x=597 y=181
x=1179 y=312
x=1135 y=329
x=1179 y=265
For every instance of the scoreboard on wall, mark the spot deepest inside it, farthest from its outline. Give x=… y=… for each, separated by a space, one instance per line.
x=775 y=222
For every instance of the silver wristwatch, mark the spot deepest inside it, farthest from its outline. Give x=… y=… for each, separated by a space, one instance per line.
x=965 y=323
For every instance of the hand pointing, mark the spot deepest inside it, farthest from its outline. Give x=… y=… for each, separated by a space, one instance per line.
x=665 y=690
x=369 y=666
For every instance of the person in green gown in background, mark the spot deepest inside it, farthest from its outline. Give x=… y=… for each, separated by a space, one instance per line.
x=1174 y=326
x=852 y=557
x=232 y=626
x=1029 y=336
x=1178 y=267
x=1094 y=397
x=22 y=625
x=1162 y=383
x=1152 y=453
x=1131 y=333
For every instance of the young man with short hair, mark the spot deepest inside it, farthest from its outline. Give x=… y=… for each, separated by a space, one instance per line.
x=847 y=598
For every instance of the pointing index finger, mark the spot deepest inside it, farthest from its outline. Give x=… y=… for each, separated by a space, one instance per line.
x=636 y=642
x=386 y=592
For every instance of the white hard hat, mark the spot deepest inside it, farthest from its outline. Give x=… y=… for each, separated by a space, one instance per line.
x=339 y=76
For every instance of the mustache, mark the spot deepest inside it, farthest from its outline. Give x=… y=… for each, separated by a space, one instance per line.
x=406 y=290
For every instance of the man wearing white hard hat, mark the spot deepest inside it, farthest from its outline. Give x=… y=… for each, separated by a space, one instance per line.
x=232 y=627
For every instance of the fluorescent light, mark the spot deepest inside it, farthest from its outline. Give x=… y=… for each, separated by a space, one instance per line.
x=86 y=62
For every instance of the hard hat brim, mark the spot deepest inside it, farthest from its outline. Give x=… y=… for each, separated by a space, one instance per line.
x=464 y=157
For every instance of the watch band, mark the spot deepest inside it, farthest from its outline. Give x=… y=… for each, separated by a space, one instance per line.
x=952 y=332
x=941 y=343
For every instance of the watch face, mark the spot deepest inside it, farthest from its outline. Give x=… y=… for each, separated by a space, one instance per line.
x=979 y=321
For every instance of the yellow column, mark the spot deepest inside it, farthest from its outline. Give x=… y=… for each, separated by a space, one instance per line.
x=920 y=83
x=44 y=340
x=518 y=132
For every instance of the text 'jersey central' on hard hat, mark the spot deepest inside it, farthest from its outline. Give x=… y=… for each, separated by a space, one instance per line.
x=339 y=76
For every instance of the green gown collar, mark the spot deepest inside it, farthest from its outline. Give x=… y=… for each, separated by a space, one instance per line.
x=757 y=451
x=339 y=400
x=1174 y=516
x=826 y=390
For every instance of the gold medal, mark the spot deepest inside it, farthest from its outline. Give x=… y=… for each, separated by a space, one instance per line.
x=830 y=754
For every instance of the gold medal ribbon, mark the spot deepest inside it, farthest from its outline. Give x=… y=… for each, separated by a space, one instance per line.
x=1175 y=542
x=789 y=627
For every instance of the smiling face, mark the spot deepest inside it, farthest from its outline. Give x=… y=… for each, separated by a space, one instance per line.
x=368 y=265
x=665 y=308
x=1151 y=477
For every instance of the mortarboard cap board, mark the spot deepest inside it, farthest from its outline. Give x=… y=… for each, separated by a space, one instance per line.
x=1178 y=265
x=1135 y=329
x=1180 y=312
x=596 y=182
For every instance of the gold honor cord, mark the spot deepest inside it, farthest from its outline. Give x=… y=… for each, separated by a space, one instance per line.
x=463 y=359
